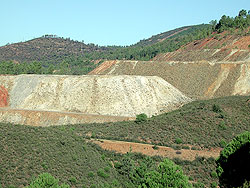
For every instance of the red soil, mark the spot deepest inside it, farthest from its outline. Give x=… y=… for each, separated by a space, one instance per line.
x=148 y=149
x=4 y=96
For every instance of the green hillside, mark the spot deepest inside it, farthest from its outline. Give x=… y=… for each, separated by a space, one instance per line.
x=56 y=55
x=28 y=151
x=171 y=34
x=66 y=153
x=207 y=123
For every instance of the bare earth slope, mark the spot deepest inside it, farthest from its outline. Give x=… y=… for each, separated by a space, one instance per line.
x=124 y=96
x=198 y=69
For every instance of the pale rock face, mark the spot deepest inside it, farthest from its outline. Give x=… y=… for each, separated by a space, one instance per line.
x=242 y=86
x=99 y=95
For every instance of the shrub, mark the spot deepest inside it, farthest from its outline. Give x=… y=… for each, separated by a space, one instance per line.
x=185 y=147
x=91 y=174
x=141 y=118
x=199 y=185
x=222 y=125
x=72 y=180
x=46 y=180
x=102 y=173
x=155 y=147
x=223 y=143
x=93 y=186
x=178 y=140
x=216 y=108
x=214 y=185
x=214 y=174
x=107 y=169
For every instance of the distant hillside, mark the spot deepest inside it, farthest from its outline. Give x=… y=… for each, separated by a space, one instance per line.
x=52 y=49
x=171 y=34
x=223 y=47
x=47 y=49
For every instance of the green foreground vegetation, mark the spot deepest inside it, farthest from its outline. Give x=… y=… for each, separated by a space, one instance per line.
x=207 y=123
x=66 y=153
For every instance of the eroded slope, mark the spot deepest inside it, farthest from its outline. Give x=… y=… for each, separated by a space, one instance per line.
x=124 y=96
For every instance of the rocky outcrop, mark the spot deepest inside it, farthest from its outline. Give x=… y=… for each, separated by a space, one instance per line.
x=122 y=96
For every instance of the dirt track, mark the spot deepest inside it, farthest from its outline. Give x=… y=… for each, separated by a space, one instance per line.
x=46 y=118
x=147 y=149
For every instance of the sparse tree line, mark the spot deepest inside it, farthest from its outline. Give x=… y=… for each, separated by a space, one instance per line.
x=241 y=21
x=69 y=66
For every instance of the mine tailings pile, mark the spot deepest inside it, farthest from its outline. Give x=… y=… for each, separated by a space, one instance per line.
x=203 y=69
x=43 y=100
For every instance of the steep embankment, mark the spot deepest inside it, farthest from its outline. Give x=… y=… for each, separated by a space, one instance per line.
x=75 y=96
x=221 y=48
x=198 y=69
x=200 y=80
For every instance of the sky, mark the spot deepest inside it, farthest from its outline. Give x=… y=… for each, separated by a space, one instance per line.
x=107 y=22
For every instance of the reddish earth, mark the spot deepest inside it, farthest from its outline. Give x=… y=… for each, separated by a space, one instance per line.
x=3 y=96
x=147 y=149
x=103 y=67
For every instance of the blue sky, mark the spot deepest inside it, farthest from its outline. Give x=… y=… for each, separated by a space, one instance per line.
x=106 y=22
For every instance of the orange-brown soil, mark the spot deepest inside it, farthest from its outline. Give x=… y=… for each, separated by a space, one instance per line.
x=3 y=96
x=148 y=149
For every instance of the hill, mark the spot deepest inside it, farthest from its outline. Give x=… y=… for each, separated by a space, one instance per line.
x=46 y=49
x=200 y=123
x=53 y=49
x=212 y=67
x=223 y=47
x=67 y=153
x=59 y=99
x=28 y=151
x=171 y=34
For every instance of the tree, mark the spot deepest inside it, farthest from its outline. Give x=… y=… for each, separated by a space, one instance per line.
x=167 y=174
x=213 y=23
x=46 y=180
x=233 y=165
x=243 y=13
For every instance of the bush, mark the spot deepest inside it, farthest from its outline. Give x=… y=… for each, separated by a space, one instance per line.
x=214 y=174
x=155 y=147
x=102 y=173
x=46 y=180
x=72 y=180
x=91 y=174
x=216 y=108
x=178 y=140
x=214 y=185
x=223 y=143
x=141 y=118
x=222 y=125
